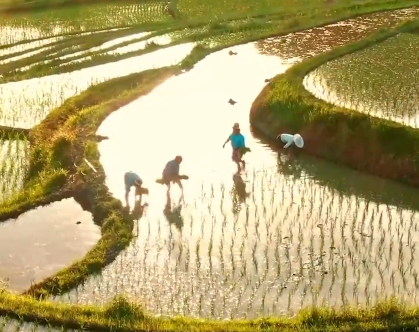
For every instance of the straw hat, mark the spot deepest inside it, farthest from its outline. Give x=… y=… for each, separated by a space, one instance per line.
x=298 y=140
x=236 y=126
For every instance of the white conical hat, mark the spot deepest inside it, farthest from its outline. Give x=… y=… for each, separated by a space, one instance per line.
x=298 y=140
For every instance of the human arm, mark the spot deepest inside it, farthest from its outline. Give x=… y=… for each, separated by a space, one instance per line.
x=288 y=139
x=227 y=140
x=288 y=144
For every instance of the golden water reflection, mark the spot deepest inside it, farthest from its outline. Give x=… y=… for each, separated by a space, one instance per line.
x=41 y=242
x=299 y=237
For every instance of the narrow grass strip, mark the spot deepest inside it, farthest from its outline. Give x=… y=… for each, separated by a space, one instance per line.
x=364 y=142
x=71 y=130
x=124 y=316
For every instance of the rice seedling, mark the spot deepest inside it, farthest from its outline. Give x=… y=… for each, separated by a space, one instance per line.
x=59 y=59
x=324 y=249
x=23 y=47
x=219 y=9
x=9 y=324
x=13 y=165
x=379 y=80
x=79 y=19
x=294 y=241
x=26 y=103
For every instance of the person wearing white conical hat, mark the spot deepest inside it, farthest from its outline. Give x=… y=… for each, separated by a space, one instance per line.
x=237 y=142
x=290 y=139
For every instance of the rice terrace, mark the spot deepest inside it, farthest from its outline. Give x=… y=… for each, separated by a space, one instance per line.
x=317 y=237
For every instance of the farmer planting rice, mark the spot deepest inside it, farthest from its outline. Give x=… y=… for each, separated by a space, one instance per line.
x=290 y=139
x=238 y=145
x=171 y=174
x=132 y=179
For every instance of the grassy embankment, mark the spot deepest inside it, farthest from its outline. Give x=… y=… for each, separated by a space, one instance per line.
x=260 y=24
x=120 y=315
x=367 y=143
x=63 y=139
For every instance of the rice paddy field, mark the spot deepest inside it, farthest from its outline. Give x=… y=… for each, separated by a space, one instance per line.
x=287 y=233
x=77 y=19
x=380 y=80
x=13 y=165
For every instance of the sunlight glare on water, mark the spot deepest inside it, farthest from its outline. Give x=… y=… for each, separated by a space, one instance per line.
x=25 y=103
x=294 y=232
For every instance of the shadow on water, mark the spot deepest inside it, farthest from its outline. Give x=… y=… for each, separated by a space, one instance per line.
x=238 y=192
x=345 y=181
x=138 y=210
x=173 y=213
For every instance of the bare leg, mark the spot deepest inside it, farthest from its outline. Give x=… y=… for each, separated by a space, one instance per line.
x=238 y=167
x=179 y=183
x=126 y=198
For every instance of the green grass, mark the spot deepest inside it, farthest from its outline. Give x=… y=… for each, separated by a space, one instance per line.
x=222 y=9
x=121 y=315
x=333 y=132
x=380 y=80
x=13 y=164
x=55 y=22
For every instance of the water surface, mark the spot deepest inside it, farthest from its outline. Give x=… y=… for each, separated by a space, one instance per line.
x=59 y=21
x=43 y=241
x=288 y=233
x=13 y=325
x=25 y=103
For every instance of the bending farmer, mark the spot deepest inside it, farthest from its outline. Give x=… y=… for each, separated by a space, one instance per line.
x=237 y=143
x=171 y=173
x=131 y=179
x=291 y=139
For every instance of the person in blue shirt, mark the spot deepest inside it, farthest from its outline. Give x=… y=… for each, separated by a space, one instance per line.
x=237 y=142
x=171 y=173
x=131 y=179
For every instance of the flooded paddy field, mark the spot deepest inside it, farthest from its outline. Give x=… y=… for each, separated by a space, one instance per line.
x=13 y=165
x=25 y=103
x=289 y=232
x=43 y=24
x=380 y=80
x=13 y=325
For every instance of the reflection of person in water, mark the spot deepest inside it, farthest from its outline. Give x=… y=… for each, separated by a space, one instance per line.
x=173 y=214
x=288 y=165
x=138 y=210
x=239 y=192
